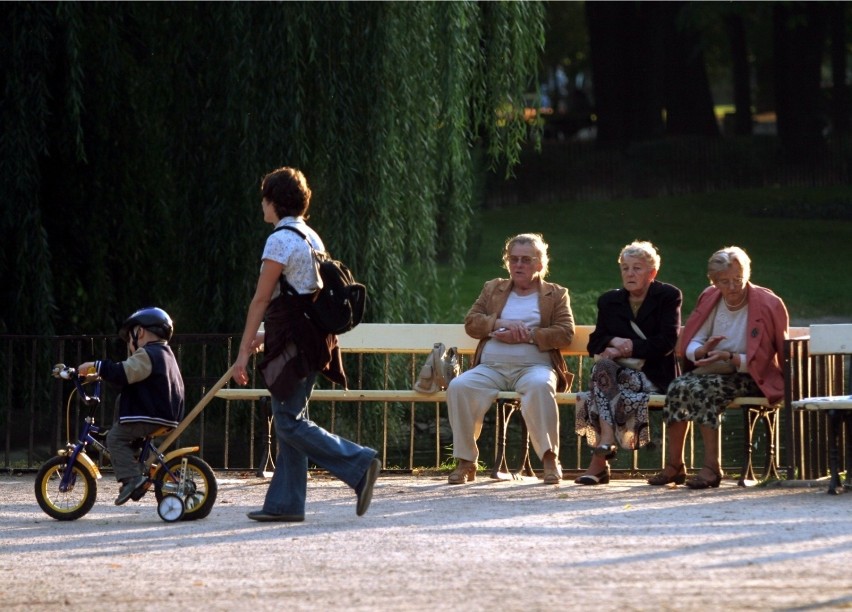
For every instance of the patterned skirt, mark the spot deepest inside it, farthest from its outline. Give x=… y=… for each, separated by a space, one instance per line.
x=703 y=397
x=618 y=396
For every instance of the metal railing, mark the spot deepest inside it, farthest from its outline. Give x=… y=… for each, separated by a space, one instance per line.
x=35 y=411
x=806 y=432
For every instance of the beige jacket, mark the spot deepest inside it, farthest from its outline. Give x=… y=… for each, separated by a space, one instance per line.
x=557 y=322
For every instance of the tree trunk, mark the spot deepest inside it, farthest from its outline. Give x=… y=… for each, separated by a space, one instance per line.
x=799 y=31
x=688 y=100
x=840 y=102
x=625 y=73
x=741 y=78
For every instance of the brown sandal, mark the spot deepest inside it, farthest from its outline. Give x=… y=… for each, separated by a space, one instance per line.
x=465 y=472
x=661 y=478
x=698 y=482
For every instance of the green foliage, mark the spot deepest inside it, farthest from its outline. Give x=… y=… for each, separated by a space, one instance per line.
x=134 y=136
x=796 y=237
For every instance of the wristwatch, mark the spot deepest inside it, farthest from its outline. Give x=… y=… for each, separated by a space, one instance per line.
x=532 y=337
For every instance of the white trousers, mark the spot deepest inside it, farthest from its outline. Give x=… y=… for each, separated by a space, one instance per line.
x=471 y=394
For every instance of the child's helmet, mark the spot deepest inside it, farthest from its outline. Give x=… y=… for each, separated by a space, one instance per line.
x=154 y=319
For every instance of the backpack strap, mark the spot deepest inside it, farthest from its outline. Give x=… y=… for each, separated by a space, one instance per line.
x=286 y=287
x=294 y=230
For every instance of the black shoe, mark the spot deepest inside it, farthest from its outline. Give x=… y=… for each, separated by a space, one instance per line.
x=364 y=490
x=597 y=479
x=139 y=493
x=128 y=488
x=266 y=517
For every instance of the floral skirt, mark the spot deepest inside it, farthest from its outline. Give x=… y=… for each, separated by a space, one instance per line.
x=618 y=396
x=703 y=397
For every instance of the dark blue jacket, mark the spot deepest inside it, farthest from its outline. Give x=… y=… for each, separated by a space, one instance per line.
x=151 y=385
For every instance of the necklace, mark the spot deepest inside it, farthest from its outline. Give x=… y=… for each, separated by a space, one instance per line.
x=635 y=306
x=736 y=306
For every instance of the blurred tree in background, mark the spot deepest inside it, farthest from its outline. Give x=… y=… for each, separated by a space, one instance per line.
x=133 y=137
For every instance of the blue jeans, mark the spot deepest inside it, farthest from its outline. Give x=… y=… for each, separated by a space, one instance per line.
x=301 y=440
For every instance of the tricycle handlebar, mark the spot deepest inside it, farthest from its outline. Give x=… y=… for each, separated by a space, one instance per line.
x=64 y=372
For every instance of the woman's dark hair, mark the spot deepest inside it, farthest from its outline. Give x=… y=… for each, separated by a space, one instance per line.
x=287 y=189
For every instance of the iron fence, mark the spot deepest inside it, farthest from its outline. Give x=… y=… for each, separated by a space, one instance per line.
x=40 y=414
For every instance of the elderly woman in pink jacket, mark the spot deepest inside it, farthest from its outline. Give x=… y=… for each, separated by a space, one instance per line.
x=731 y=346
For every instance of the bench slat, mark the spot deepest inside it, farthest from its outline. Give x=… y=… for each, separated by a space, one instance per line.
x=383 y=395
x=418 y=338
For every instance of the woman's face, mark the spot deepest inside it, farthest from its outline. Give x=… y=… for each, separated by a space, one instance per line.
x=636 y=275
x=269 y=215
x=524 y=264
x=731 y=284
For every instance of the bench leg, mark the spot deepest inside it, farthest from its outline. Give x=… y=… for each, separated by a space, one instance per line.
x=847 y=416
x=835 y=420
x=505 y=410
x=500 y=471
x=267 y=467
x=752 y=415
x=526 y=466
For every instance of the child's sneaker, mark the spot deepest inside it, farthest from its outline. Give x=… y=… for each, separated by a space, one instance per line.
x=128 y=488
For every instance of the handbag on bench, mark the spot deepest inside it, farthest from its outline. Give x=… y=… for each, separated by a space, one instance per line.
x=440 y=368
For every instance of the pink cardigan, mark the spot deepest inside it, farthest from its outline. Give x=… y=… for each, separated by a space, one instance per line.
x=767 y=324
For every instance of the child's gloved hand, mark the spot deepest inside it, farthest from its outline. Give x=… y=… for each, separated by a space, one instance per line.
x=87 y=369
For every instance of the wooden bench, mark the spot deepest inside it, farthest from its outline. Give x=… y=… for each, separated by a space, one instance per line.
x=831 y=340
x=418 y=339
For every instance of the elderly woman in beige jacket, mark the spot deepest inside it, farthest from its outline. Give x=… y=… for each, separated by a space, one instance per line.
x=521 y=323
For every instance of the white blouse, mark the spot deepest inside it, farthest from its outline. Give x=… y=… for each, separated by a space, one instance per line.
x=288 y=249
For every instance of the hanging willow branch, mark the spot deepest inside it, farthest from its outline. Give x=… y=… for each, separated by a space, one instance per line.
x=135 y=136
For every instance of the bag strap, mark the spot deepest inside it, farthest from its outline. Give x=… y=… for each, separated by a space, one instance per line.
x=286 y=287
x=638 y=330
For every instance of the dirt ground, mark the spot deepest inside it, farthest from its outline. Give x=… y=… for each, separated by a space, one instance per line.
x=424 y=545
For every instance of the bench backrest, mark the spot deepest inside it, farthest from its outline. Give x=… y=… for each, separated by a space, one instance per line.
x=419 y=338
x=830 y=339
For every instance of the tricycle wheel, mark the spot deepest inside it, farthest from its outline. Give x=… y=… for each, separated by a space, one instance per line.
x=200 y=487
x=171 y=508
x=71 y=504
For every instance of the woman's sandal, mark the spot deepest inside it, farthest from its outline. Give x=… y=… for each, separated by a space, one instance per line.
x=552 y=471
x=661 y=478
x=600 y=478
x=607 y=450
x=697 y=482
x=464 y=472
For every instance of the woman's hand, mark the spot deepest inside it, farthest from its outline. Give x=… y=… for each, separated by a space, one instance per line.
x=511 y=332
x=611 y=352
x=704 y=351
x=623 y=347
x=240 y=372
x=714 y=356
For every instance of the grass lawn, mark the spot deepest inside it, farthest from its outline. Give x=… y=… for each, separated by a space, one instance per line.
x=799 y=240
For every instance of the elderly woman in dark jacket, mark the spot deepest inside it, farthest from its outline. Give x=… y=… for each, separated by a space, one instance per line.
x=632 y=344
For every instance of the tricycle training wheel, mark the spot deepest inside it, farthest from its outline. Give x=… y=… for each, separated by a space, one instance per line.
x=170 y=508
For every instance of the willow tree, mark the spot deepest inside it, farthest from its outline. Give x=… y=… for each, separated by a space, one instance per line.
x=134 y=136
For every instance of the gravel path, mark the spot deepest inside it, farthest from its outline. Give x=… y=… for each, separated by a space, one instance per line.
x=426 y=546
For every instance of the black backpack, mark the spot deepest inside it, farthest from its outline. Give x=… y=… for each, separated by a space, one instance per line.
x=339 y=305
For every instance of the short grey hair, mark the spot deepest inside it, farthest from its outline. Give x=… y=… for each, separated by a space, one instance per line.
x=724 y=258
x=537 y=243
x=641 y=249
